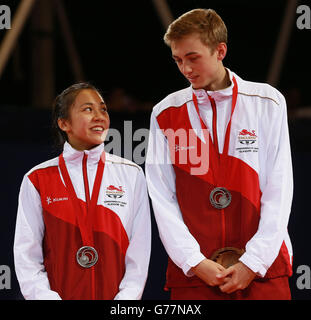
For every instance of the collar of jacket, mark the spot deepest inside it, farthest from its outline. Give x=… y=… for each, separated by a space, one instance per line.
x=218 y=95
x=74 y=156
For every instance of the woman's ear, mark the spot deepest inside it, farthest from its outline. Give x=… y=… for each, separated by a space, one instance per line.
x=63 y=124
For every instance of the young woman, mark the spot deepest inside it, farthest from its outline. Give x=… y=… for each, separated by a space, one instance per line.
x=83 y=223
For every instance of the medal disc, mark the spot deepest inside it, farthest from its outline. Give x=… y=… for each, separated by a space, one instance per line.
x=87 y=256
x=227 y=256
x=220 y=198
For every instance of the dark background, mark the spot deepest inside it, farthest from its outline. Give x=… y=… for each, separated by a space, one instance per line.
x=122 y=52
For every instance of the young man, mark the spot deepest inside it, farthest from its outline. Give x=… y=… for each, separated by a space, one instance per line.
x=223 y=221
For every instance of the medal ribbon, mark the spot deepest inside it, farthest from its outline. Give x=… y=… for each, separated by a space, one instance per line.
x=220 y=169
x=84 y=219
x=221 y=161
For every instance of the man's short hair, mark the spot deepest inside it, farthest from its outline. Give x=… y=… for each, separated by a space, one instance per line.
x=204 y=22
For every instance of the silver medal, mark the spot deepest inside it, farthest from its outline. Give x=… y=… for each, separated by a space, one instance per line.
x=87 y=256
x=220 y=198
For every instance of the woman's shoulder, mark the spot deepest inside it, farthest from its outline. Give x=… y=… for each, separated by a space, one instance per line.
x=116 y=160
x=44 y=165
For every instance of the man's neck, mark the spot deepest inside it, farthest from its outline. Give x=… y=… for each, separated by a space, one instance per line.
x=222 y=81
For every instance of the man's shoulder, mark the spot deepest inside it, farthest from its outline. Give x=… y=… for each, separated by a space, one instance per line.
x=259 y=90
x=175 y=99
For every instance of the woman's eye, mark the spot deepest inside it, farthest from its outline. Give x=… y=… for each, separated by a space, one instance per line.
x=88 y=109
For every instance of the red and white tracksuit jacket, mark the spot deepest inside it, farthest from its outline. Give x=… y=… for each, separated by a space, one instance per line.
x=259 y=177
x=47 y=235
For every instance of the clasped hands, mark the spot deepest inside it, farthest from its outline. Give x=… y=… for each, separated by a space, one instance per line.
x=236 y=277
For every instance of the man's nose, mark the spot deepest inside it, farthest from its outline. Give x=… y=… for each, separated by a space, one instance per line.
x=186 y=69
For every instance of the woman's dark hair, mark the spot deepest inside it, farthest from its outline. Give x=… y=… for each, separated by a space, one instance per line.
x=61 y=108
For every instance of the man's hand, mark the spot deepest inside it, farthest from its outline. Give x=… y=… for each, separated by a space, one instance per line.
x=236 y=277
x=207 y=271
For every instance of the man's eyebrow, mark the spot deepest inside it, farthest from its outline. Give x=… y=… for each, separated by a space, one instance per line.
x=190 y=53
x=187 y=54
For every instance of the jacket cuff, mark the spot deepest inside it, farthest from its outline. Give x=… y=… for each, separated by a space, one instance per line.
x=254 y=264
x=194 y=260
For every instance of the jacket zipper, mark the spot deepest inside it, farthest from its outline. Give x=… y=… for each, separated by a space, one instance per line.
x=87 y=200
x=222 y=213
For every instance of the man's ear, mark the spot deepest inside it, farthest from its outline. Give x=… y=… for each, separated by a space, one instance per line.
x=221 y=51
x=63 y=124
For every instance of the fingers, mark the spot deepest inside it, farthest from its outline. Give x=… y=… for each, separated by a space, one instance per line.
x=229 y=283
x=228 y=286
x=221 y=268
x=207 y=271
x=225 y=273
x=236 y=277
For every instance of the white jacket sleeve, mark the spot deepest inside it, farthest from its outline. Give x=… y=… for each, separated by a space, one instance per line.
x=28 y=255
x=138 y=252
x=276 y=183
x=179 y=243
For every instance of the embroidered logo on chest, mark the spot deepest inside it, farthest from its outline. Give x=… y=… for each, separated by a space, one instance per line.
x=247 y=139
x=115 y=193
